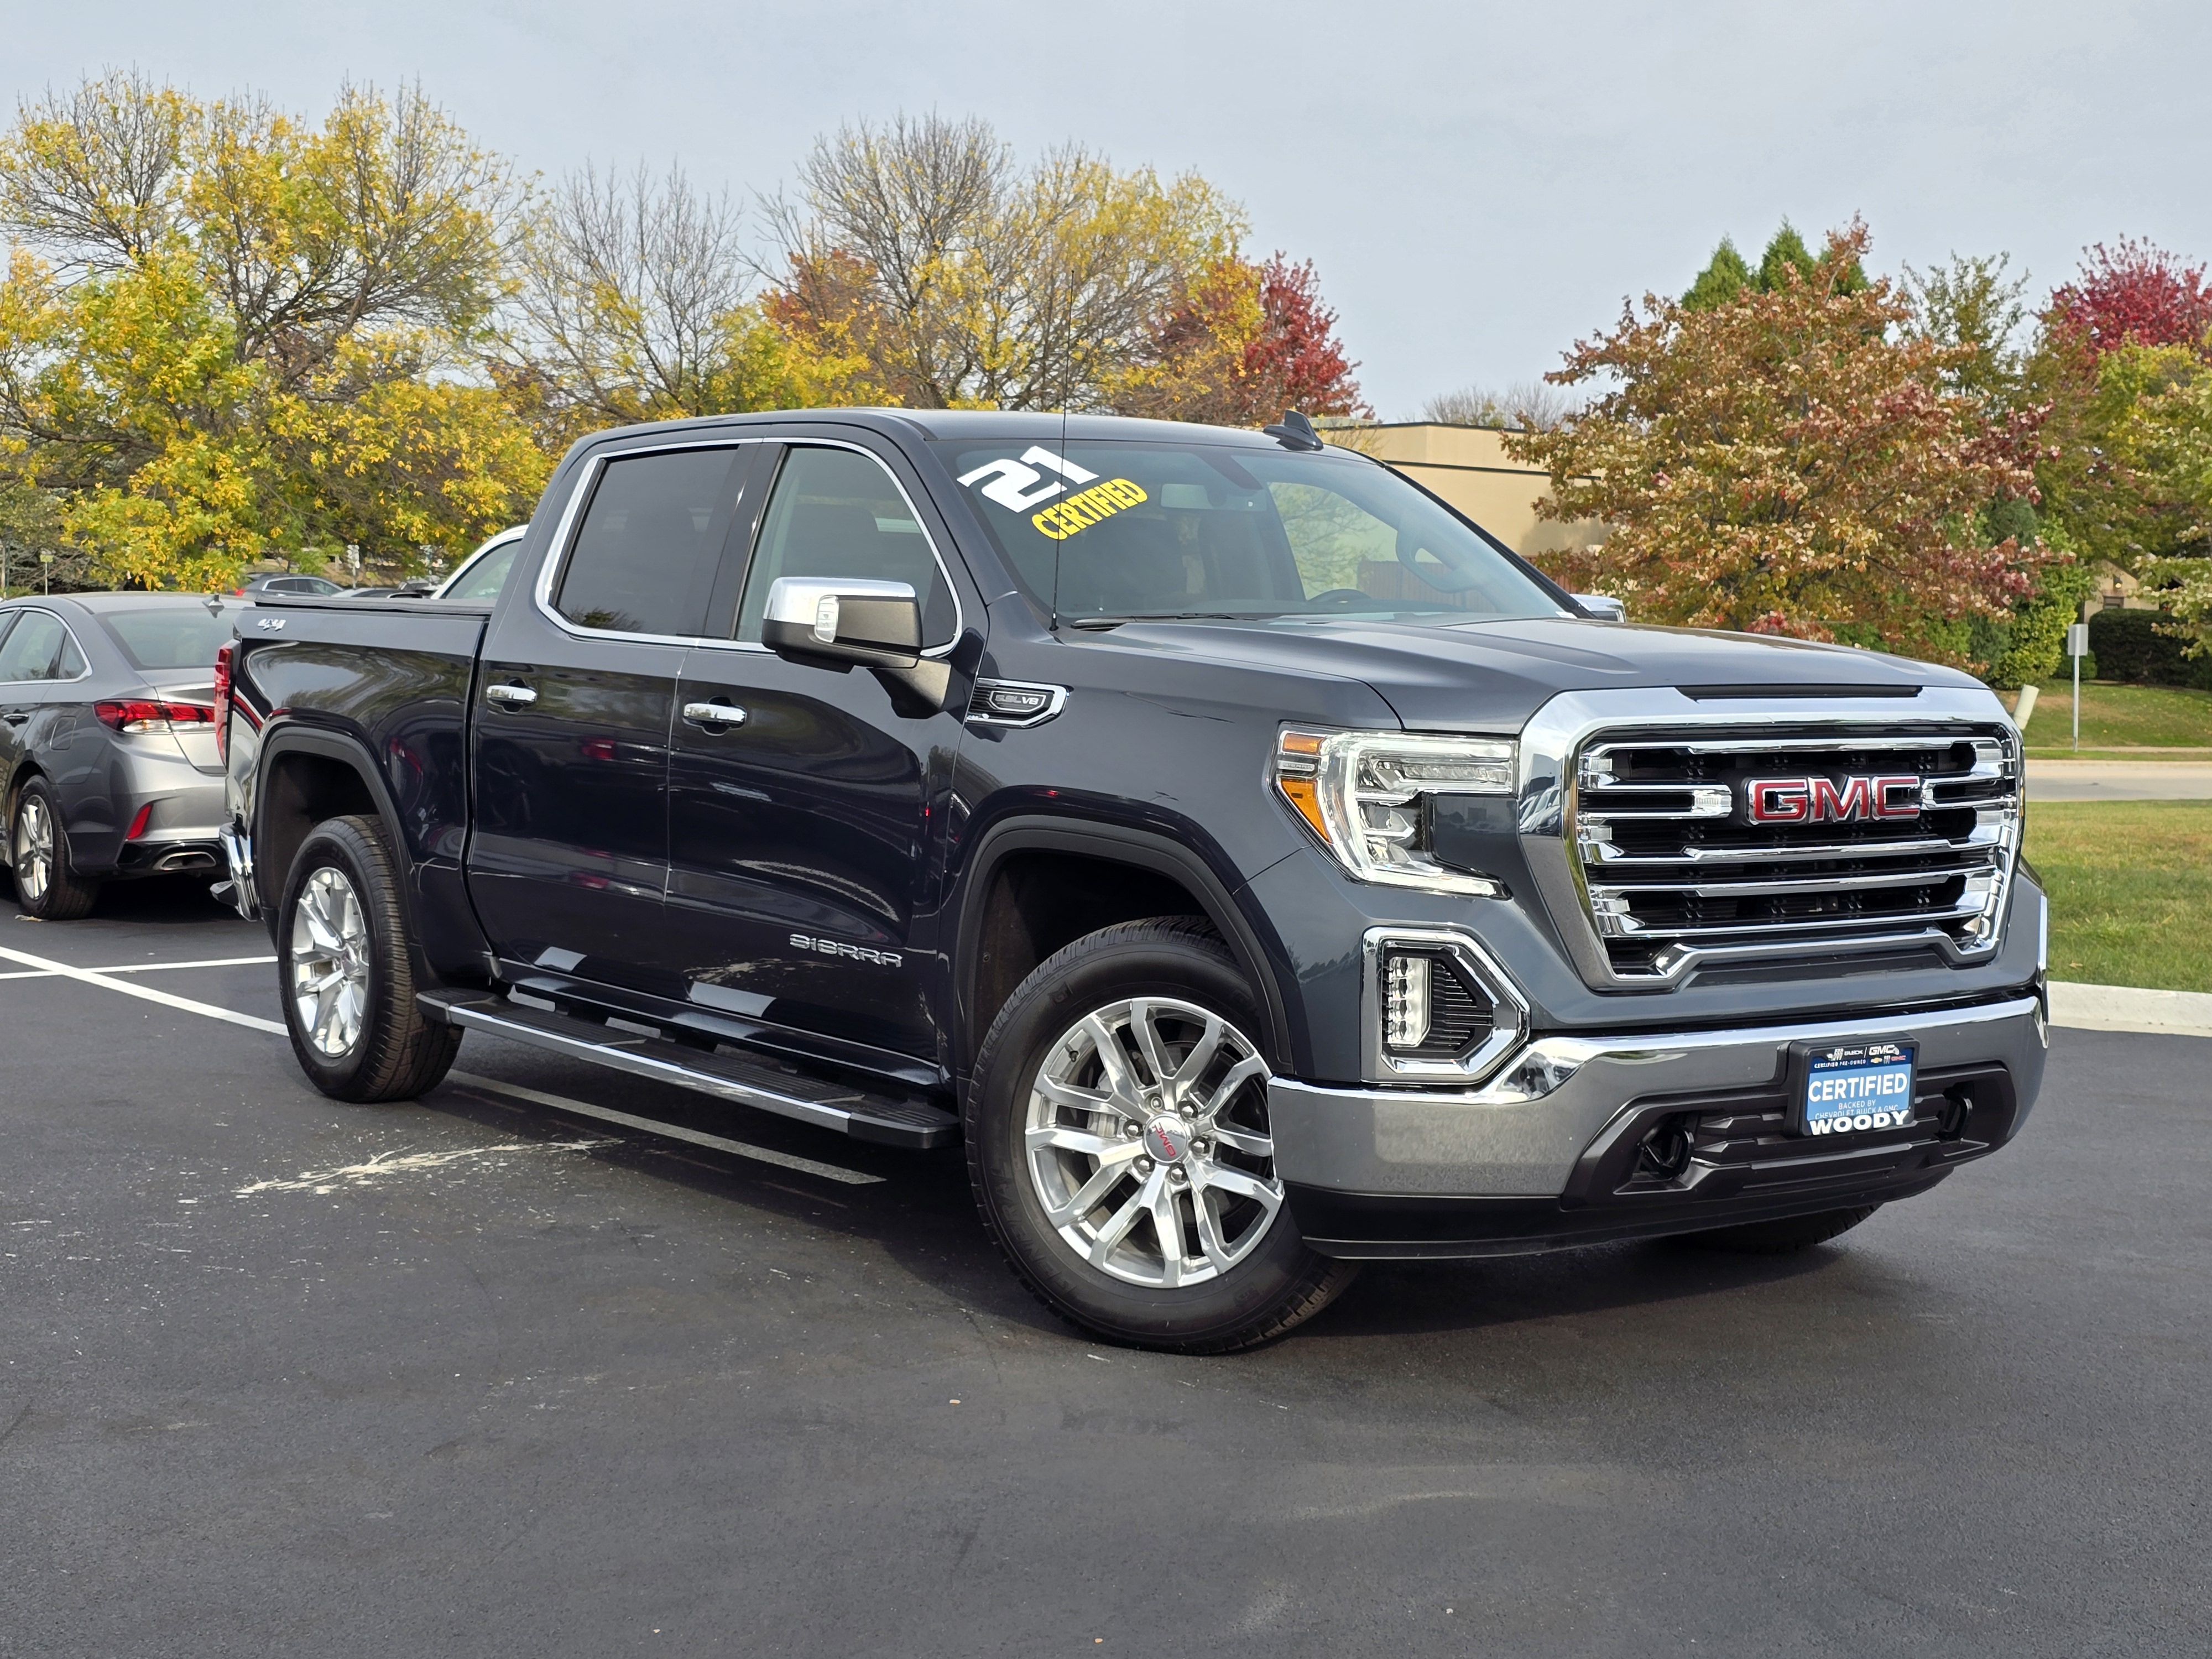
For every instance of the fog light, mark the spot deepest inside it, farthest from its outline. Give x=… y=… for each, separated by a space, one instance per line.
x=1406 y=1001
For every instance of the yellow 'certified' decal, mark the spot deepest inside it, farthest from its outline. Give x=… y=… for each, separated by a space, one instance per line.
x=1079 y=511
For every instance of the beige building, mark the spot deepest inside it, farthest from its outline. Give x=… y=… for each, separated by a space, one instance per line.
x=1469 y=466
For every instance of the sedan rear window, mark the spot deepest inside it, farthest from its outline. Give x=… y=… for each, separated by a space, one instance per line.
x=168 y=636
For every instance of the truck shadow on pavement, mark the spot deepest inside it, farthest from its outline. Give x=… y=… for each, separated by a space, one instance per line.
x=922 y=1220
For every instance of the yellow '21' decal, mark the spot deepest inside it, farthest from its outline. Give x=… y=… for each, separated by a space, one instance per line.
x=1079 y=511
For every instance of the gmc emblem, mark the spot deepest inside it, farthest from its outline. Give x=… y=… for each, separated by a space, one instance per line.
x=1831 y=800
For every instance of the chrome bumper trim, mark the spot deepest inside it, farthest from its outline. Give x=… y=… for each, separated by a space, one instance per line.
x=1520 y=1135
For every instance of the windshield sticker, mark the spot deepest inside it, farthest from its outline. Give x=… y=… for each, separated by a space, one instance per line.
x=1017 y=486
x=1079 y=512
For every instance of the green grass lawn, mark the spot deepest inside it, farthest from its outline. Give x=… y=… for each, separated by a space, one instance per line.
x=2121 y=717
x=2130 y=885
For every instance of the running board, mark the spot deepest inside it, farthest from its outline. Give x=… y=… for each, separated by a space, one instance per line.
x=890 y=1120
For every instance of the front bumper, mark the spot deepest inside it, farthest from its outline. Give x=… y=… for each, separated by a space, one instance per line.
x=1547 y=1152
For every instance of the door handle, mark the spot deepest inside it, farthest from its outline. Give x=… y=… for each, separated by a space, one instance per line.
x=713 y=713
x=510 y=696
x=16 y=716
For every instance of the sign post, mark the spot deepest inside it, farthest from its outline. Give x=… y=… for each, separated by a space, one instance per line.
x=47 y=572
x=2077 y=646
x=353 y=558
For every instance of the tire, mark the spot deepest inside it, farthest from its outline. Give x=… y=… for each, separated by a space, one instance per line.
x=1783 y=1237
x=1241 y=1274
x=345 y=974
x=37 y=852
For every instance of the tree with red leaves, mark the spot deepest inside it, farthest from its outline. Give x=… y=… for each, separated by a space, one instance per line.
x=1296 y=357
x=2134 y=294
x=1242 y=343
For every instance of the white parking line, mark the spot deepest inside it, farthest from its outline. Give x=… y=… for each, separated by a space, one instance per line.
x=607 y=1113
x=145 y=993
x=150 y=967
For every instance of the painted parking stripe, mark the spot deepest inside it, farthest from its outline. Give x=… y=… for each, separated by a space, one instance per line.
x=669 y=1131
x=562 y=1103
x=151 y=966
x=143 y=992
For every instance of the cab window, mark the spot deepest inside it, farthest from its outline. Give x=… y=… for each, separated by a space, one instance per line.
x=646 y=551
x=837 y=512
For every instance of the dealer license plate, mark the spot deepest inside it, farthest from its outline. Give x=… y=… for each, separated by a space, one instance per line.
x=1854 y=1087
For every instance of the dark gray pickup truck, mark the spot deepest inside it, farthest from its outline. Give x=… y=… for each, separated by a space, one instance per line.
x=1255 y=866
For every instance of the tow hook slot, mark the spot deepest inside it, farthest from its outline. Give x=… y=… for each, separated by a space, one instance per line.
x=1664 y=1152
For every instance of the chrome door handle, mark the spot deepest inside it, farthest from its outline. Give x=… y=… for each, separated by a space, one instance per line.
x=510 y=696
x=713 y=713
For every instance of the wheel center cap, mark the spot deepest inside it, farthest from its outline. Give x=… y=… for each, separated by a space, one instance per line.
x=1167 y=1139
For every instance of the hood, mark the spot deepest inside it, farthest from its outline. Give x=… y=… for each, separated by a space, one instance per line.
x=1491 y=675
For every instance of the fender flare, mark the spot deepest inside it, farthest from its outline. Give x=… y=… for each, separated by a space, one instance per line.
x=1119 y=844
x=294 y=739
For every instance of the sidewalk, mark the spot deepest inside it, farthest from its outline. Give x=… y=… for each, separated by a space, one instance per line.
x=2125 y=1008
x=2098 y=779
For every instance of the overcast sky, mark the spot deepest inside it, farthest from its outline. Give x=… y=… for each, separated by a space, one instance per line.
x=1478 y=183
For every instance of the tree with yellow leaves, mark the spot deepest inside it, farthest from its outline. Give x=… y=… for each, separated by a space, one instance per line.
x=226 y=333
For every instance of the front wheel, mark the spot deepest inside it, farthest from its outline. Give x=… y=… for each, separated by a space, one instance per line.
x=348 y=977
x=1118 y=1144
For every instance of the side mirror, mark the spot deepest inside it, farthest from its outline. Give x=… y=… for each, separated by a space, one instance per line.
x=842 y=622
x=1601 y=607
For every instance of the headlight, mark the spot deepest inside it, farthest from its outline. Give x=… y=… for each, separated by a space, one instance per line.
x=1361 y=793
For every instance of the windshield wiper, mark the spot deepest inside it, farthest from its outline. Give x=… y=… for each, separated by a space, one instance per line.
x=1100 y=624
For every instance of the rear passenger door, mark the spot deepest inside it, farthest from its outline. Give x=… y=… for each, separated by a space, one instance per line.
x=568 y=859
x=803 y=846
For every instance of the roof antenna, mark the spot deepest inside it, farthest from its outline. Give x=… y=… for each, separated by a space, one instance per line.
x=1062 y=542
x=1296 y=432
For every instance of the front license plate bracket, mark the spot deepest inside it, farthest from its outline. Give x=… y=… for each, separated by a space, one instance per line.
x=1851 y=1088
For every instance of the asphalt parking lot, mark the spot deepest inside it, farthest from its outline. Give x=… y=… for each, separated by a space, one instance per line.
x=488 y=1375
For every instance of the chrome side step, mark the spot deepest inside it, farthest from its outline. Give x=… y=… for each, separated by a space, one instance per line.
x=888 y=1119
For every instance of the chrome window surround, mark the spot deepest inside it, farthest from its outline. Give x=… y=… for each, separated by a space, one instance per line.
x=1552 y=744
x=564 y=532
x=1509 y=1008
x=83 y=655
x=1057 y=700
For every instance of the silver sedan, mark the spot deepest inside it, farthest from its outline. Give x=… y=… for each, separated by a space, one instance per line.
x=108 y=764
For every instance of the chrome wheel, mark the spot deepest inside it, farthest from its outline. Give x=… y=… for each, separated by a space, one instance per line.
x=1147 y=1144
x=329 y=961
x=34 y=854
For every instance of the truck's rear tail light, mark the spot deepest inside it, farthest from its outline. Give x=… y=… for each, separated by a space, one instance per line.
x=222 y=699
x=136 y=716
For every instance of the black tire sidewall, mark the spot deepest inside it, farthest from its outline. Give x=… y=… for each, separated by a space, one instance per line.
x=355 y=850
x=1089 y=976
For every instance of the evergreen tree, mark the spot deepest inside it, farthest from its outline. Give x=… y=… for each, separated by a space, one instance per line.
x=1720 y=282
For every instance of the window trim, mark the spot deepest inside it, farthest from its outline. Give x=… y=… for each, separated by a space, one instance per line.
x=565 y=531
x=68 y=633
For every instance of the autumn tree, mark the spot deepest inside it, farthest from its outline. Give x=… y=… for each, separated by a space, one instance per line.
x=226 y=332
x=1526 y=405
x=1242 y=343
x=965 y=280
x=1791 y=462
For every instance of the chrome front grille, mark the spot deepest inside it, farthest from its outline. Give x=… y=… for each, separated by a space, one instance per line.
x=1902 y=837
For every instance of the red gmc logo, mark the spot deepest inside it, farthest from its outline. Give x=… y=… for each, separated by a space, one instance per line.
x=1830 y=801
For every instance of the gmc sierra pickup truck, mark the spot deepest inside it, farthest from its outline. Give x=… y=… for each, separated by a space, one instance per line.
x=1254 y=865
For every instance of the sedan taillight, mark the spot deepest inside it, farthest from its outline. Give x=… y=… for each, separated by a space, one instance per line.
x=135 y=715
x=222 y=699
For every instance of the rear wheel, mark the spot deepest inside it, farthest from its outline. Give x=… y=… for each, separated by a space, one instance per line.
x=348 y=977
x=1118 y=1143
x=47 y=888
x=1784 y=1237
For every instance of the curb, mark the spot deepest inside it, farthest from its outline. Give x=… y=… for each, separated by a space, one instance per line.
x=2125 y=1008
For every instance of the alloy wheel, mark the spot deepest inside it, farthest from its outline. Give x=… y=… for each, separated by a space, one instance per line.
x=329 y=961
x=34 y=854
x=1147 y=1145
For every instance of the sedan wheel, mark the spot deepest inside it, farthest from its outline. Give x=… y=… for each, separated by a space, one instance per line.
x=329 y=961
x=34 y=850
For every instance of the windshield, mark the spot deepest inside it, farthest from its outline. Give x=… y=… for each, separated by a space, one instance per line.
x=1149 y=529
x=171 y=636
x=485 y=578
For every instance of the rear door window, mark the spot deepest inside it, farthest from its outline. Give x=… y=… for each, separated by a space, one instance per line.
x=33 y=649
x=645 y=553
x=838 y=512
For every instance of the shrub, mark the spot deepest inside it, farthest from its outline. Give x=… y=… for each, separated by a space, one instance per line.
x=2128 y=646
